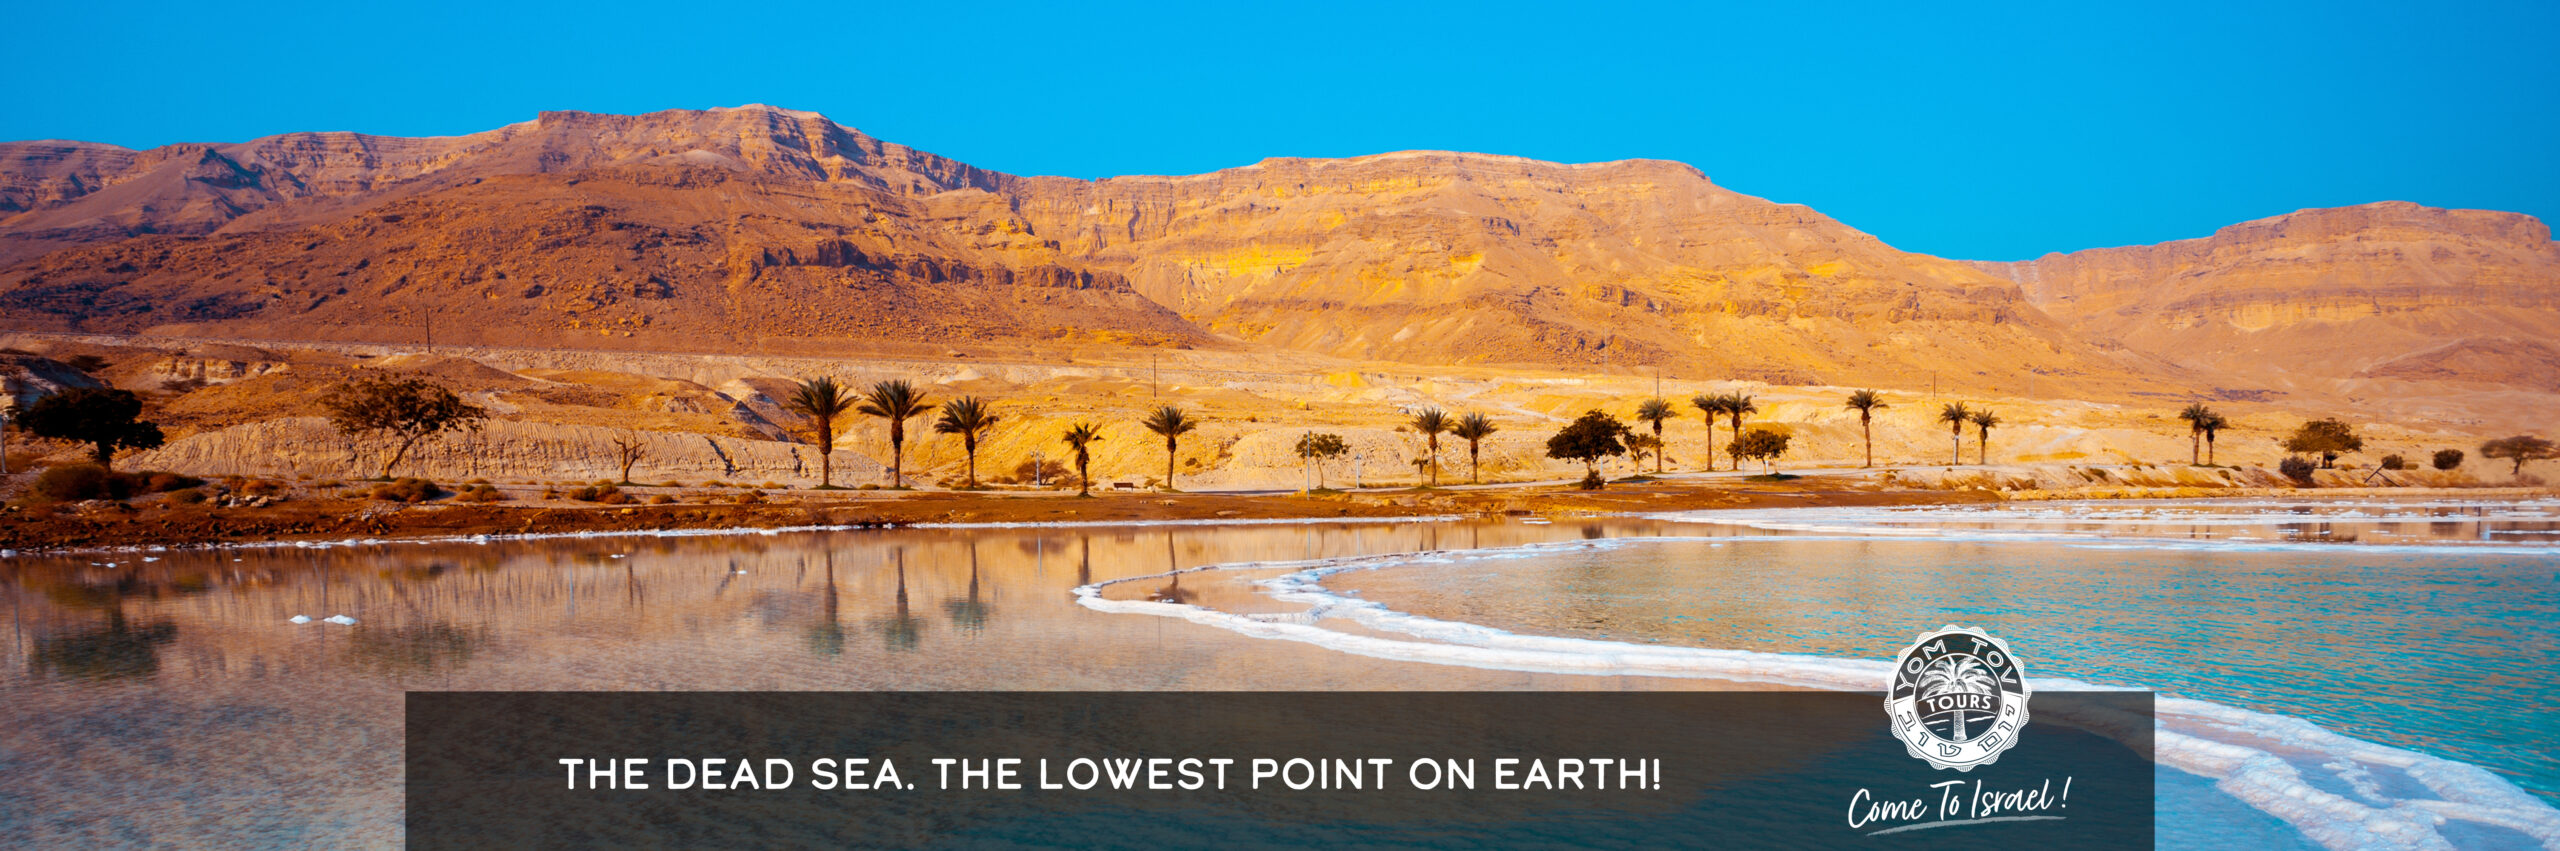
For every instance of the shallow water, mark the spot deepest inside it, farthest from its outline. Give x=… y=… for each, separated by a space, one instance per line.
x=169 y=698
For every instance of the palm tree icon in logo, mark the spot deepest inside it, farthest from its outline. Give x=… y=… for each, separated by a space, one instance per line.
x=1952 y=688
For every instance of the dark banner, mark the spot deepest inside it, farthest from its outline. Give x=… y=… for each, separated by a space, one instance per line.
x=1226 y=769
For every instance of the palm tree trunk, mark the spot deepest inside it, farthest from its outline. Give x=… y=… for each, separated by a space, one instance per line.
x=1170 y=449
x=1657 y=447
x=1711 y=444
x=1956 y=440
x=2208 y=448
x=1084 y=480
x=1475 y=466
x=826 y=466
x=970 y=443
x=1868 y=432
x=1434 y=444
x=2193 y=438
x=897 y=460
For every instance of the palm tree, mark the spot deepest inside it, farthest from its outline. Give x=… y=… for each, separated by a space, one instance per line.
x=1957 y=675
x=1654 y=411
x=1711 y=406
x=2195 y=415
x=1474 y=428
x=1984 y=420
x=967 y=416
x=1955 y=415
x=1866 y=402
x=1735 y=405
x=1082 y=435
x=822 y=401
x=896 y=401
x=1171 y=422
x=2211 y=424
x=1432 y=422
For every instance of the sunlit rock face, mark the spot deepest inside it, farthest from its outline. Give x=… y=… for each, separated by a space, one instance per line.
x=687 y=229
x=776 y=230
x=2388 y=290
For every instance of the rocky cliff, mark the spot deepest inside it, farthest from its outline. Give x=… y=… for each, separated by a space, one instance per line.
x=760 y=228
x=2388 y=290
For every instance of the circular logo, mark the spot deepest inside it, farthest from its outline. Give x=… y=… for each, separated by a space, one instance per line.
x=1957 y=698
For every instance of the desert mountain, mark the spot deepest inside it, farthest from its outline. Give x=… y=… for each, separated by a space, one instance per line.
x=758 y=228
x=2378 y=291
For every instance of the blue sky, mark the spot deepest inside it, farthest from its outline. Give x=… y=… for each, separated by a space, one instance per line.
x=1964 y=130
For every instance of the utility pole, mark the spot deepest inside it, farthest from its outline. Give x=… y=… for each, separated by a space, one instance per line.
x=1154 y=380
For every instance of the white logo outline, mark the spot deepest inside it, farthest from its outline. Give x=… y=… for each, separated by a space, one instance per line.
x=1976 y=673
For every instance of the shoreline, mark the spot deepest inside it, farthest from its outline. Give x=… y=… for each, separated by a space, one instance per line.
x=147 y=523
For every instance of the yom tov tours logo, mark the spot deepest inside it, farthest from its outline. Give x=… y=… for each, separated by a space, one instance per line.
x=1957 y=698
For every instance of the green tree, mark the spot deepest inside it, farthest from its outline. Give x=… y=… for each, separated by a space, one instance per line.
x=1737 y=404
x=107 y=419
x=1315 y=449
x=1955 y=415
x=1983 y=420
x=1474 y=428
x=968 y=417
x=1865 y=402
x=1432 y=423
x=1082 y=436
x=1594 y=436
x=2327 y=438
x=2519 y=449
x=822 y=401
x=1654 y=411
x=1711 y=407
x=2196 y=415
x=1172 y=423
x=407 y=410
x=897 y=401
x=1763 y=445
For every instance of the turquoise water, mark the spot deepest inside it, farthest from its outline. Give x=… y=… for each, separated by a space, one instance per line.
x=2445 y=653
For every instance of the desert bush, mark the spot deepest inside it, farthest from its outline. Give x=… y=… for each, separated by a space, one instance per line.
x=550 y=493
x=1590 y=482
x=605 y=494
x=2298 y=469
x=481 y=493
x=662 y=499
x=2447 y=459
x=771 y=486
x=407 y=489
x=262 y=487
x=186 y=496
x=750 y=498
x=164 y=482
x=75 y=482
x=2394 y=462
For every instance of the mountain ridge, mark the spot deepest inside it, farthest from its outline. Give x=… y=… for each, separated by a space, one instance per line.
x=763 y=223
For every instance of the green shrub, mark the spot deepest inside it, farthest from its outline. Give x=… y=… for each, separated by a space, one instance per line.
x=2298 y=469
x=407 y=489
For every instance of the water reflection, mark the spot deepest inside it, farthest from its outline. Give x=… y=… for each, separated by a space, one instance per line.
x=902 y=629
x=304 y=725
x=119 y=650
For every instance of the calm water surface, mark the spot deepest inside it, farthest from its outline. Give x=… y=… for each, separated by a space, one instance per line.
x=169 y=698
